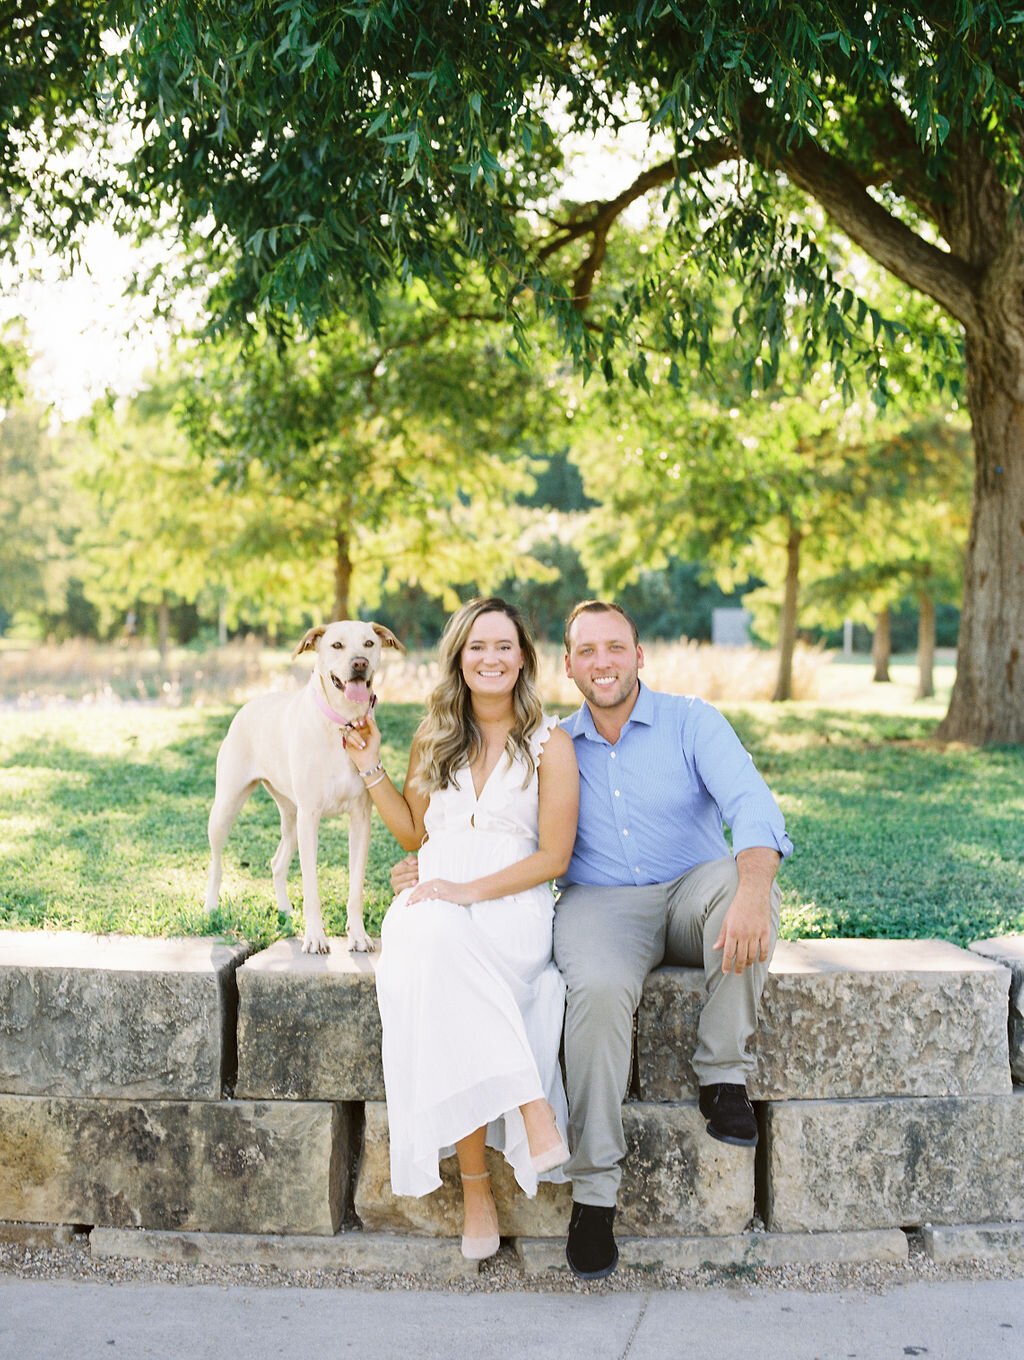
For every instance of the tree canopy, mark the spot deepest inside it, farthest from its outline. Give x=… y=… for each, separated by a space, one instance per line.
x=51 y=102
x=338 y=147
x=317 y=154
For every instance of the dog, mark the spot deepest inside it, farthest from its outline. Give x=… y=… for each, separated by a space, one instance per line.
x=293 y=744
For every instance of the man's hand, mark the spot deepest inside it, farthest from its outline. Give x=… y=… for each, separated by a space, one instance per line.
x=745 y=937
x=405 y=874
x=746 y=932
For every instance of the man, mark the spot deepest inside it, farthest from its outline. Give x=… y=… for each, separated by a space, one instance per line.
x=652 y=880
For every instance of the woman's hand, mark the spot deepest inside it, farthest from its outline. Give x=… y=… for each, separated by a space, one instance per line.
x=363 y=744
x=441 y=890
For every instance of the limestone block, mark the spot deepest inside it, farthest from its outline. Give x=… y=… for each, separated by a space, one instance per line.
x=541 y=1255
x=308 y=1025
x=849 y=1164
x=844 y=1018
x=215 y=1166
x=675 y=1180
x=1009 y=951
x=424 y=1257
x=37 y=1236
x=116 y=1015
x=996 y=1242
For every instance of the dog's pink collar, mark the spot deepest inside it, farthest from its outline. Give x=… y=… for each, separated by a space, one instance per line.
x=334 y=717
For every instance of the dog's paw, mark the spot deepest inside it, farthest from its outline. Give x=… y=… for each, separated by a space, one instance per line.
x=359 y=942
x=315 y=944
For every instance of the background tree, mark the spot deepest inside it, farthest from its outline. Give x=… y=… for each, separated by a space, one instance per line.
x=911 y=520
x=161 y=531
x=33 y=500
x=340 y=147
x=838 y=511
x=407 y=455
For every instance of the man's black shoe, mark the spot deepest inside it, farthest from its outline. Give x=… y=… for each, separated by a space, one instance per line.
x=729 y=1113
x=590 y=1249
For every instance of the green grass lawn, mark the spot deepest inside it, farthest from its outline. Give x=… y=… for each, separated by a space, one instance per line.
x=103 y=825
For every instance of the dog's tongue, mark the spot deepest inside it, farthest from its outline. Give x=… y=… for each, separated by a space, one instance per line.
x=357 y=691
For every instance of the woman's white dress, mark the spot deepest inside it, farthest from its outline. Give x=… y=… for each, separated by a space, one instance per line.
x=470 y=999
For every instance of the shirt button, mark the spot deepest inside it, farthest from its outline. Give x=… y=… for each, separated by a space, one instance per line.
x=625 y=831
x=616 y=793
x=636 y=868
x=613 y=755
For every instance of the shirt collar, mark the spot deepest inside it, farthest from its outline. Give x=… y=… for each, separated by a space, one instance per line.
x=643 y=712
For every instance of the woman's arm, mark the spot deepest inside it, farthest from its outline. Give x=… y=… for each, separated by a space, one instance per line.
x=402 y=813
x=558 y=780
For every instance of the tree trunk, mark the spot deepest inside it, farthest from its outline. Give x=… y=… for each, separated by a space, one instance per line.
x=987 y=704
x=926 y=647
x=163 y=628
x=982 y=225
x=342 y=574
x=881 y=645
x=787 y=627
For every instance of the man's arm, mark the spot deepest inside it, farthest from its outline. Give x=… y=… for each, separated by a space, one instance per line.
x=405 y=874
x=745 y=936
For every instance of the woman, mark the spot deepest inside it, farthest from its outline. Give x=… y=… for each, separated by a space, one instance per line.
x=470 y=999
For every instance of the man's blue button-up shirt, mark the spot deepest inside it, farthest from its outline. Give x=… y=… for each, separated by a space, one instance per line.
x=653 y=805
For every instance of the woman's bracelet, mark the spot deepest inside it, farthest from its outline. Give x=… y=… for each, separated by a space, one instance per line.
x=375 y=769
x=374 y=782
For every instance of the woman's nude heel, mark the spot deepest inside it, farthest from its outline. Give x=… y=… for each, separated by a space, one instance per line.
x=479 y=1248
x=550 y=1157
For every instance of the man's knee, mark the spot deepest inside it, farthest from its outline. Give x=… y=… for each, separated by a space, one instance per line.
x=602 y=992
x=721 y=881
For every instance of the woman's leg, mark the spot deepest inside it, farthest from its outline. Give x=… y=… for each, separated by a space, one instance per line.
x=480 y=1215
x=541 y=1130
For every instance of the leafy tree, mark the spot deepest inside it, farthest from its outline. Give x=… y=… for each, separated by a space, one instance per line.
x=405 y=454
x=910 y=540
x=33 y=500
x=51 y=107
x=160 y=532
x=337 y=147
x=838 y=511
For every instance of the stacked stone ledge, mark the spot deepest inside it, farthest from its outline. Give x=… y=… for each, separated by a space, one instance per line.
x=114 y=1055
x=882 y=1084
x=883 y=1080
x=1009 y=951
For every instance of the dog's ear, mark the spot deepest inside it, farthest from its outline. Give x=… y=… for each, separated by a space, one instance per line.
x=308 y=643
x=387 y=637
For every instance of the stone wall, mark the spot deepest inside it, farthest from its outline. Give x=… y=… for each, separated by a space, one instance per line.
x=204 y=1096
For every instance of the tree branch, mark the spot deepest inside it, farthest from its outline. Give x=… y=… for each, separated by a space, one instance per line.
x=599 y=223
x=947 y=278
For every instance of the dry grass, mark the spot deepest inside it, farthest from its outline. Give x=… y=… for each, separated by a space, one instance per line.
x=81 y=671
x=740 y=674
x=93 y=673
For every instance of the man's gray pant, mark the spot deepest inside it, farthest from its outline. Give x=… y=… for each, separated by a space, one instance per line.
x=606 y=942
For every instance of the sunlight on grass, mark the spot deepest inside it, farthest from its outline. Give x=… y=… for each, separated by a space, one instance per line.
x=104 y=813
x=26 y=781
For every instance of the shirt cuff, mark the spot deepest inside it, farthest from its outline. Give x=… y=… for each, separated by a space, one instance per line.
x=761 y=836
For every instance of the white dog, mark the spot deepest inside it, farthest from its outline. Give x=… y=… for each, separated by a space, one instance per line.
x=293 y=744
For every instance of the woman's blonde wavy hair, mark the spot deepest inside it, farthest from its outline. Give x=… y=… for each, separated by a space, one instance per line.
x=448 y=737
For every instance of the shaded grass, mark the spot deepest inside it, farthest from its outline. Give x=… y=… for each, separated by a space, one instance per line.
x=896 y=836
x=103 y=826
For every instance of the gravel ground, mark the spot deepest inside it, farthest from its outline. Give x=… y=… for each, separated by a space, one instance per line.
x=502 y=1274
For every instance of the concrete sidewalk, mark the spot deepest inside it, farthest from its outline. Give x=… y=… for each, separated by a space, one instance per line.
x=54 y=1320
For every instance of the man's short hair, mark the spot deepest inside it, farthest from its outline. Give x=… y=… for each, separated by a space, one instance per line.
x=598 y=607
